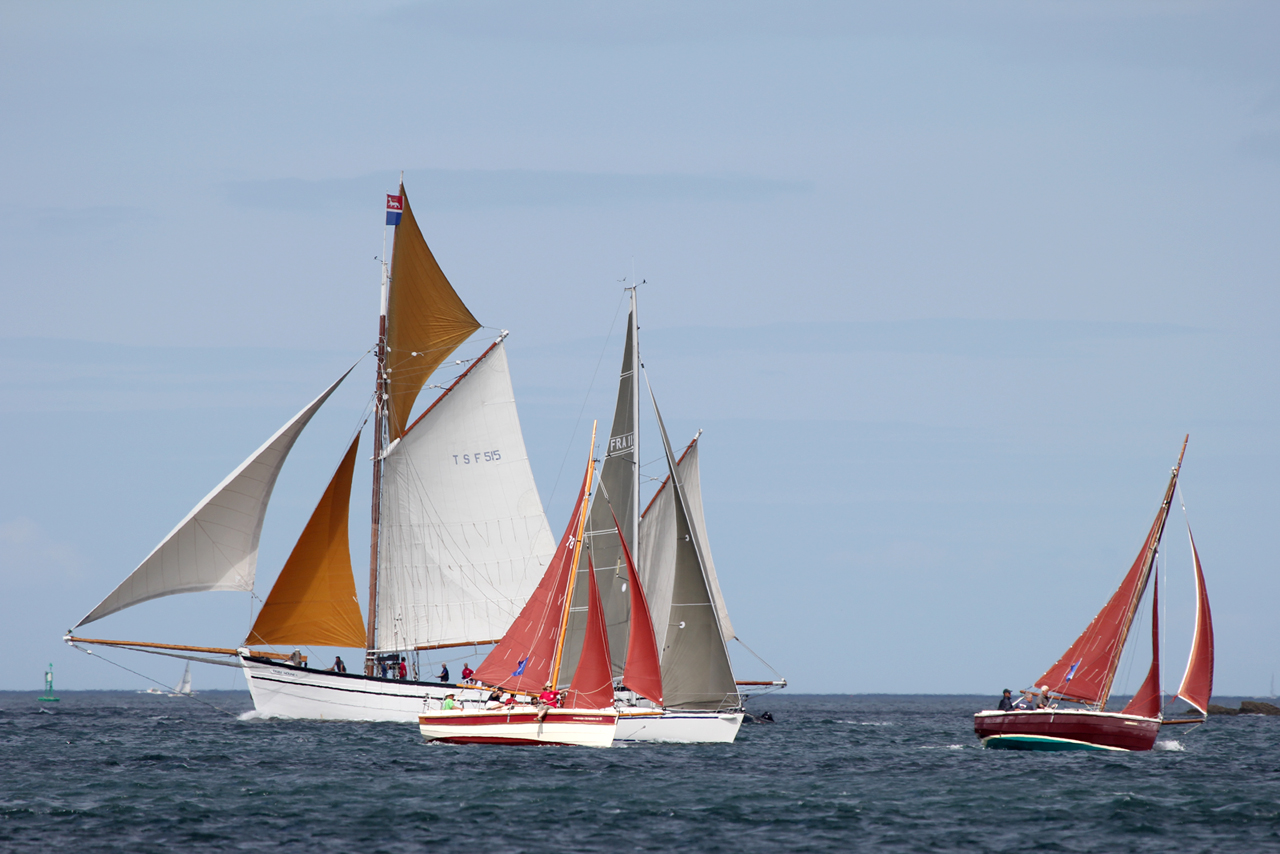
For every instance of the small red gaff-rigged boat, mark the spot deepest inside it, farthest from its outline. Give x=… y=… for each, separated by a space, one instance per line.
x=1086 y=671
x=527 y=660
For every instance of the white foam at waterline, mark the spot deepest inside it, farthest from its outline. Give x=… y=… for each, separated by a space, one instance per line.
x=1171 y=745
x=252 y=715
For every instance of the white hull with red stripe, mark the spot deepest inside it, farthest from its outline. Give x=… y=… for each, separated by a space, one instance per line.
x=520 y=725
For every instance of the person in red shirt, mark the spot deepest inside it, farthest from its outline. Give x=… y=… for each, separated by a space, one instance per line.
x=466 y=672
x=549 y=697
x=403 y=669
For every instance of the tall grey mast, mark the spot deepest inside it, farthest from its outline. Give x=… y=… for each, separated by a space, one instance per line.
x=620 y=479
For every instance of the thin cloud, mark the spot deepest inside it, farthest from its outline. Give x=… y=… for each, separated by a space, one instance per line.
x=473 y=189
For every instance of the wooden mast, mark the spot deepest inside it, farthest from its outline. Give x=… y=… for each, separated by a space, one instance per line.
x=573 y=570
x=379 y=428
x=1150 y=560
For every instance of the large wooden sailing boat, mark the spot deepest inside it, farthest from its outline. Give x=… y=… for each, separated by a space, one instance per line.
x=530 y=657
x=1085 y=673
x=458 y=535
x=658 y=586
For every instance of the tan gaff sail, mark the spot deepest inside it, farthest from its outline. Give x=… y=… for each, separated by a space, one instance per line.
x=426 y=321
x=216 y=546
x=314 y=599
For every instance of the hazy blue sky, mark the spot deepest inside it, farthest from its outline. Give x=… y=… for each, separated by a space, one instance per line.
x=944 y=283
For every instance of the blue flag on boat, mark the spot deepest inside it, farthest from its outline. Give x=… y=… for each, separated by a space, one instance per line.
x=1072 y=671
x=395 y=207
x=519 y=671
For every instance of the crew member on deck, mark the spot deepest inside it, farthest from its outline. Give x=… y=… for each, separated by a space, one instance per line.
x=338 y=666
x=1006 y=701
x=403 y=668
x=466 y=672
x=444 y=672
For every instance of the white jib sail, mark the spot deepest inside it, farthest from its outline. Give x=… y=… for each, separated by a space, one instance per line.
x=184 y=684
x=216 y=546
x=464 y=537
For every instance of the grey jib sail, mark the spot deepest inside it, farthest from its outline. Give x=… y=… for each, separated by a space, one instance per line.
x=618 y=487
x=696 y=673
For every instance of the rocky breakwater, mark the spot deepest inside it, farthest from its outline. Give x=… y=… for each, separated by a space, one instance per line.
x=1247 y=707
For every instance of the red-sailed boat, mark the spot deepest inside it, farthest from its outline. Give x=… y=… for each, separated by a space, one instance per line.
x=1085 y=672
x=528 y=659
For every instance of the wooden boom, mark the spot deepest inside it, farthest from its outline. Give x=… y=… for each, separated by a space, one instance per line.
x=213 y=650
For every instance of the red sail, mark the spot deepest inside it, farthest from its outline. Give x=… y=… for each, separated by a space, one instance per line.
x=522 y=660
x=1148 y=701
x=1085 y=670
x=643 y=672
x=1197 y=683
x=592 y=686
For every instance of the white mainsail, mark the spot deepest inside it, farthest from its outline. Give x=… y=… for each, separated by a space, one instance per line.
x=216 y=546
x=464 y=538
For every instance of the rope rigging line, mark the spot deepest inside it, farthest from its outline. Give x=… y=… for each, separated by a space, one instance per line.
x=150 y=679
x=758 y=658
x=590 y=387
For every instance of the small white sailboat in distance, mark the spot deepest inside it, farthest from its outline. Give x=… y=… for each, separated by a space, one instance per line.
x=183 y=688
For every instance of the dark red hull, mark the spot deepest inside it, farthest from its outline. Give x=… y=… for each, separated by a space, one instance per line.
x=1066 y=730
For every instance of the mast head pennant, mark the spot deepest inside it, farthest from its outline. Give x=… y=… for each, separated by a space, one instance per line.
x=395 y=207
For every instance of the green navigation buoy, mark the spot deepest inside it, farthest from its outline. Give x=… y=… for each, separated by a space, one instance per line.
x=48 y=686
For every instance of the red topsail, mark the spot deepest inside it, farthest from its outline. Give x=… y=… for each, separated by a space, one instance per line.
x=643 y=671
x=1148 y=700
x=1197 y=683
x=592 y=686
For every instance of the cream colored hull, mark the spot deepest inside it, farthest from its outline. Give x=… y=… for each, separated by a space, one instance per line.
x=521 y=725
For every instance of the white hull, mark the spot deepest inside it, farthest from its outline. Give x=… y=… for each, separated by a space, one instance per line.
x=284 y=691
x=521 y=725
x=675 y=726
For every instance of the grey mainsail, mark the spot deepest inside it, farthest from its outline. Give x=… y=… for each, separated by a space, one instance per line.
x=696 y=673
x=619 y=492
x=657 y=555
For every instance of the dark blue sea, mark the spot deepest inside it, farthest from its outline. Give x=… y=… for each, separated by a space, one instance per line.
x=141 y=773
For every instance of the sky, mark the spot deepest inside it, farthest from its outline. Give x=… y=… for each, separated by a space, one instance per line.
x=944 y=285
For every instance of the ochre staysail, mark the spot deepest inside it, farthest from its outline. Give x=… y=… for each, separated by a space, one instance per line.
x=314 y=599
x=426 y=320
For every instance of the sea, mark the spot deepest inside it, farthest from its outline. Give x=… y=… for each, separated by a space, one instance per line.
x=104 y=771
